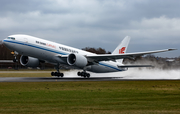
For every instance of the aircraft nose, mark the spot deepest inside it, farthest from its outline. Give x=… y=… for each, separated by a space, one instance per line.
x=1 y=41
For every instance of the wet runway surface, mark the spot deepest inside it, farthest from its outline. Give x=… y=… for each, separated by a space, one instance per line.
x=54 y=79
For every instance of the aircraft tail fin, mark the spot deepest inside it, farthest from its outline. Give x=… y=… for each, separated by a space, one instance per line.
x=122 y=48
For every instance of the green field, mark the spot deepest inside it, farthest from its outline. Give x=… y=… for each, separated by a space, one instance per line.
x=107 y=97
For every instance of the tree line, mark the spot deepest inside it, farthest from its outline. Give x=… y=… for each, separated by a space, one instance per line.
x=96 y=50
x=5 y=53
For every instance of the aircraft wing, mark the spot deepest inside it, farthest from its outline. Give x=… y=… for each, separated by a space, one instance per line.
x=107 y=57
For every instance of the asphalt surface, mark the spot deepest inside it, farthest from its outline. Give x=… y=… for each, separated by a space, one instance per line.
x=55 y=79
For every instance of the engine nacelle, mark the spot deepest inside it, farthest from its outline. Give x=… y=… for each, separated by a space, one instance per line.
x=29 y=61
x=77 y=60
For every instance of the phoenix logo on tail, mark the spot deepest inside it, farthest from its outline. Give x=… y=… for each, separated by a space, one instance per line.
x=121 y=51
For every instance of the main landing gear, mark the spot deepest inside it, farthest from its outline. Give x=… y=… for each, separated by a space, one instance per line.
x=58 y=74
x=83 y=74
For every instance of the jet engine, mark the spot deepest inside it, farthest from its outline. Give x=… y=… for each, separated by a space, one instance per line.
x=29 y=61
x=77 y=60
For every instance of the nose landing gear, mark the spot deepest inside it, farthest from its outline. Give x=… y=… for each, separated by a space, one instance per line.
x=14 y=53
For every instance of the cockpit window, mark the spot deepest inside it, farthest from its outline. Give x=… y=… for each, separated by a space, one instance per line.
x=11 y=38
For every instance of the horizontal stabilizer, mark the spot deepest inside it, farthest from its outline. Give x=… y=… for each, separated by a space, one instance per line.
x=129 y=66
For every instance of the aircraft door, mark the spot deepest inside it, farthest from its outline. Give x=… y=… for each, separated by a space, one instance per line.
x=25 y=40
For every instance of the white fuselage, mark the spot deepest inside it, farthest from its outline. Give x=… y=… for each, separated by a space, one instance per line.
x=52 y=52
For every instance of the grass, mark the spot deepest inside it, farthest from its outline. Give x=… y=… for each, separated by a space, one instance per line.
x=90 y=97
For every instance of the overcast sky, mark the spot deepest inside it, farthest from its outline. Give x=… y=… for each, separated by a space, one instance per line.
x=151 y=24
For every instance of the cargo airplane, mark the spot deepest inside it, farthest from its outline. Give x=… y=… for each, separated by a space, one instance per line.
x=34 y=50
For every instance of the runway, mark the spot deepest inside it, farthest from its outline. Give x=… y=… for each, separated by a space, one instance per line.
x=55 y=79
x=130 y=75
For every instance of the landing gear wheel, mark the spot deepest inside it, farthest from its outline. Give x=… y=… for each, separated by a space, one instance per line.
x=61 y=74
x=88 y=75
x=79 y=73
x=52 y=74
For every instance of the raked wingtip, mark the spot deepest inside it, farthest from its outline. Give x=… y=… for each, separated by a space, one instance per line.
x=171 y=49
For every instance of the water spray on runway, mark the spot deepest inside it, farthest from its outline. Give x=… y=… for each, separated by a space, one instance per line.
x=152 y=74
x=134 y=73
